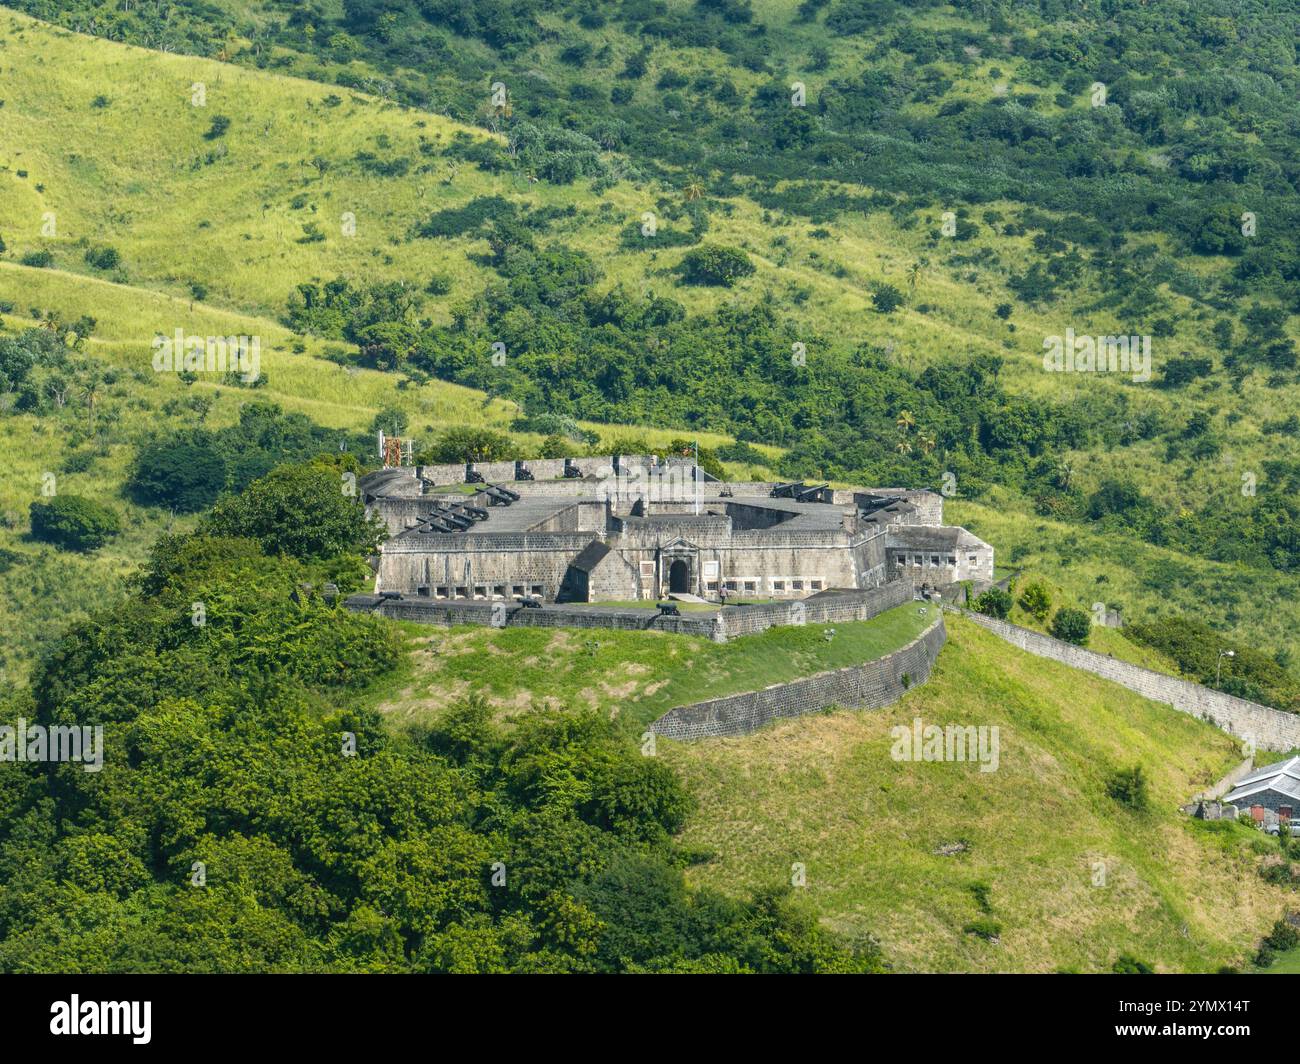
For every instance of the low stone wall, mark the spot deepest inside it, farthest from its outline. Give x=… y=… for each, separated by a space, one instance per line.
x=502 y=614
x=829 y=607
x=869 y=686
x=1268 y=728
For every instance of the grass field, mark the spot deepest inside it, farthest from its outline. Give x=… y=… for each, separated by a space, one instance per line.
x=633 y=676
x=823 y=791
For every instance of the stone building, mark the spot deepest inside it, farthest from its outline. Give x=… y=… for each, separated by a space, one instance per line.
x=624 y=528
x=1268 y=793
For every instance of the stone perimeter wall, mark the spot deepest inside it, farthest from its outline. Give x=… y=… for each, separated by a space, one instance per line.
x=1270 y=729
x=720 y=626
x=871 y=686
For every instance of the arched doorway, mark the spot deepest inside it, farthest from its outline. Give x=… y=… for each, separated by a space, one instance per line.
x=679 y=577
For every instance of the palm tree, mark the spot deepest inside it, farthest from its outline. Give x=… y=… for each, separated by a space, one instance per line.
x=905 y=421
x=1063 y=475
x=90 y=394
x=903 y=446
x=927 y=444
x=694 y=190
x=914 y=274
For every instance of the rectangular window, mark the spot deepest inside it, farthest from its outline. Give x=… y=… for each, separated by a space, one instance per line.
x=934 y=559
x=499 y=591
x=952 y=559
x=442 y=592
x=462 y=592
x=537 y=589
x=816 y=585
x=732 y=585
x=798 y=585
x=518 y=589
x=711 y=585
x=751 y=585
x=778 y=585
x=973 y=559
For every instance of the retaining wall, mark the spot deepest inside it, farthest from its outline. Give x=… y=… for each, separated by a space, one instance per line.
x=1268 y=728
x=719 y=625
x=870 y=686
x=502 y=614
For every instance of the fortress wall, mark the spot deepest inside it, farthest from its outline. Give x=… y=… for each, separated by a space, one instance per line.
x=508 y=615
x=796 y=539
x=1270 y=729
x=837 y=607
x=616 y=578
x=869 y=561
x=500 y=559
x=396 y=511
x=869 y=686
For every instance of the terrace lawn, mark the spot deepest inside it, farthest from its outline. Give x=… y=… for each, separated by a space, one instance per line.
x=634 y=676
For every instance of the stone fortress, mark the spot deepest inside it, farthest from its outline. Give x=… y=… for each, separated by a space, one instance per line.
x=626 y=528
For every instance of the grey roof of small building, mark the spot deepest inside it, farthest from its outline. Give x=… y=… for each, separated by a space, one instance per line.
x=1283 y=778
x=932 y=537
x=1290 y=767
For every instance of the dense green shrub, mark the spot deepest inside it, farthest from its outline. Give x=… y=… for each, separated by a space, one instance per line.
x=713 y=264
x=994 y=603
x=73 y=522
x=1128 y=786
x=185 y=471
x=1036 y=600
x=304 y=511
x=1071 y=625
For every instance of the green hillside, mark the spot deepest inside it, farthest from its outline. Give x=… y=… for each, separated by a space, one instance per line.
x=632 y=202
x=824 y=791
x=255 y=184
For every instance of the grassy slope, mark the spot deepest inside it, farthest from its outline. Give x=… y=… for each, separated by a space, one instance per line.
x=132 y=174
x=1259 y=606
x=636 y=676
x=126 y=175
x=824 y=791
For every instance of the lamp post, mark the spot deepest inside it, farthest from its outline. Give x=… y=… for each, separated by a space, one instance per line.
x=1218 y=665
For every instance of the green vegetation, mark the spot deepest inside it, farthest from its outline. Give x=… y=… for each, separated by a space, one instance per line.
x=1075 y=879
x=250 y=814
x=73 y=522
x=517 y=236
x=994 y=603
x=633 y=676
x=1072 y=625
x=1203 y=654
x=645 y=243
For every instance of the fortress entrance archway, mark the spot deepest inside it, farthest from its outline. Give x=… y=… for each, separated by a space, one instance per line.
x=679 y=577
